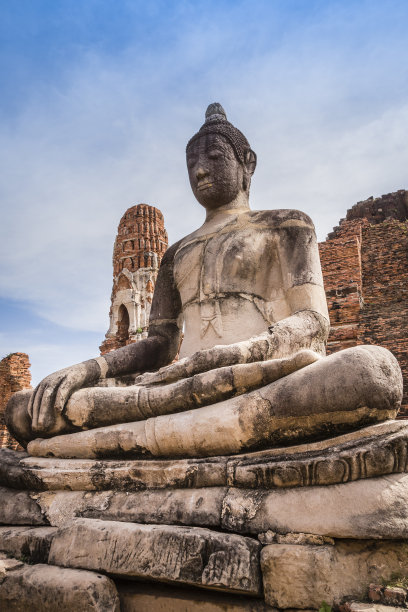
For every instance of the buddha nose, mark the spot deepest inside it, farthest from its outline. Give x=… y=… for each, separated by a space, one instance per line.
x=201 y=173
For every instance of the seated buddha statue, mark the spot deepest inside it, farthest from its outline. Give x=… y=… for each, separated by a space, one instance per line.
x=252 y=374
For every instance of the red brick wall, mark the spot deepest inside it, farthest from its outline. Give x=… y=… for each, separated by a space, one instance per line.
x=14 y=376
x=365 y=271
x=384 y=318
x=342 y=274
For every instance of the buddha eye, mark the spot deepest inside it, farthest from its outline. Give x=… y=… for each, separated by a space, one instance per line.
x=191 y=161
x=215 y=154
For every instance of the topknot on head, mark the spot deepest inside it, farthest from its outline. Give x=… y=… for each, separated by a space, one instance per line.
x=215 y=112
x=216 y=122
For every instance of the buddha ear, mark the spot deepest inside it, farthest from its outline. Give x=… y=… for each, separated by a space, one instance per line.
x=250 y=161
x=249 y=165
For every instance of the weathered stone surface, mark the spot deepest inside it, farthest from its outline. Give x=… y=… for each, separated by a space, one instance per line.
x=171 y=554
x=49 y=588
x=195 y=507
x=304 y=576
x=18 y=508
x=395 y=596
x=365 y=453
x=358 y=606
x=136 y=597
x=270 y=537
x=368 y=452
x=88 y=408
x=371 y=508
x=21 y=471
x=27 y=543
x=332 y=511
x=7 y=564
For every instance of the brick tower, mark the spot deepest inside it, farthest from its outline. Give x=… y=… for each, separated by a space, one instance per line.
x=139 y=247
x=365 y=272
x=14 y=376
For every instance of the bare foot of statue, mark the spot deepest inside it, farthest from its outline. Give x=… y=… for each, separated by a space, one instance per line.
x=248 y=287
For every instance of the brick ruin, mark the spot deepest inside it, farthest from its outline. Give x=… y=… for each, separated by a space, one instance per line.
x=365 y=271
x=139 y=247
x=14 y=376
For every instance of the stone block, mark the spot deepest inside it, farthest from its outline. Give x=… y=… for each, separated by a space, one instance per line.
x=187 y=555
x=193 y=507
x=297 y=576
x=27 y=543
x=395 y=596
x=368 y=508
x=19 y=508
x=137 y=597
x=49 y=588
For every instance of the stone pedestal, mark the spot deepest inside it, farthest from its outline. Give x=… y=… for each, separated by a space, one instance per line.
x=282 y=528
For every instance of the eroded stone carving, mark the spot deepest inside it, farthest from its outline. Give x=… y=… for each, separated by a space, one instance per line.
x=374 y=451
x=176 y=554
x=248 y=287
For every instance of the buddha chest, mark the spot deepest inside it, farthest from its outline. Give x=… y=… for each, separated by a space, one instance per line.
x=242 y=261
x=231 y=288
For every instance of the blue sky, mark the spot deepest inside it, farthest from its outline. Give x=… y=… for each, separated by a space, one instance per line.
x=99 y=98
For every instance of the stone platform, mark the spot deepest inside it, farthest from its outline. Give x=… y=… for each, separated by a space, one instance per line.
x=282 y=528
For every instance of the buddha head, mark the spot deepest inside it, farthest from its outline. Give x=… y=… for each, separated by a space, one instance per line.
x=220 y=161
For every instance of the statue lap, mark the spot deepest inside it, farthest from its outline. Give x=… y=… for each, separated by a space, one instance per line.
x=324 y=396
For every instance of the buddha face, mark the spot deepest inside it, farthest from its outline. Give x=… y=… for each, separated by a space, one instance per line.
x=216 y=175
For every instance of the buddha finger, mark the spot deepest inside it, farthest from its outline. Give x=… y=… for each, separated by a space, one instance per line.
x=62 y=394
x=35 y=403
x=45 y=417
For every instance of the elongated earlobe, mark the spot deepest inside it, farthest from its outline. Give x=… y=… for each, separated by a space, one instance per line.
x=250 y=161
x=249 y=168
x=246 y=181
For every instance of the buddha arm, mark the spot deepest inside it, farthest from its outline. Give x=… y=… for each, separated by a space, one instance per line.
x=303 y=285
x=159 y=348
x=162 y=343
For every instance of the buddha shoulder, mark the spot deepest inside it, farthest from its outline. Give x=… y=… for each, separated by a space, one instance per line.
x=280 y=218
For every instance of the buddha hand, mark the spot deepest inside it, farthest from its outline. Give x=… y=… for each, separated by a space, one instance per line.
x=49 y=398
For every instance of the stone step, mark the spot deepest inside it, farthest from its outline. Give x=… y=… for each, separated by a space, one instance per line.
x=20 y=508
x=186 y=555
x=367 y=508
x=51 y=589
x=27 y=543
